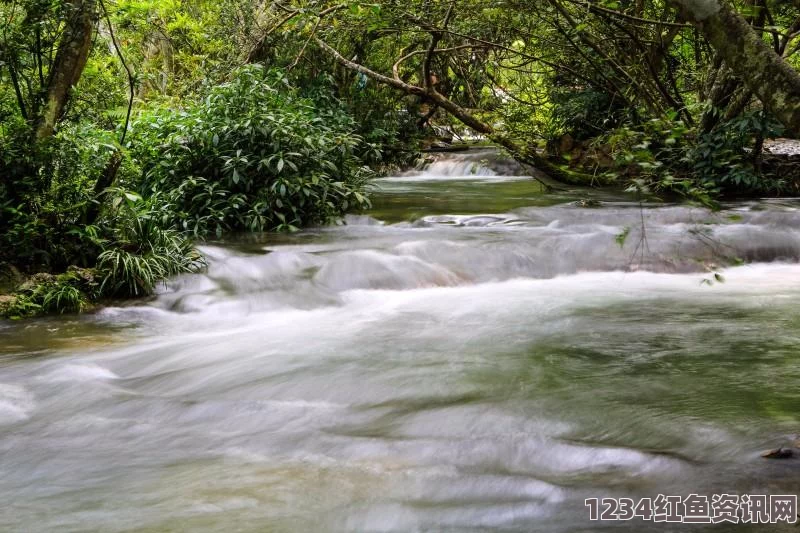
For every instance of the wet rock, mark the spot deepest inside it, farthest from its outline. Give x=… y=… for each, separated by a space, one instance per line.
x=778 y=453
x=86 y=275
x=782 y=146
x=361 y=220
x=587 y=202
x=10 y=277
x=42 y=278
x=6 y=303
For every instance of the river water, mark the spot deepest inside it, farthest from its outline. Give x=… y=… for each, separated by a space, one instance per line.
x=474 y=354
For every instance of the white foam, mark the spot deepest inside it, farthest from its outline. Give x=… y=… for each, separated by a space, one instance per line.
x=16 y=403
x=79 y=372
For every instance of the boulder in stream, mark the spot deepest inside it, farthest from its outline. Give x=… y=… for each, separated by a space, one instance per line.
x=778 y=453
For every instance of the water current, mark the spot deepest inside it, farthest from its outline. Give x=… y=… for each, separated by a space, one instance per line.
x=473 y=354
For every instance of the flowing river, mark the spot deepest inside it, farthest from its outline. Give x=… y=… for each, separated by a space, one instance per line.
x=474 y=354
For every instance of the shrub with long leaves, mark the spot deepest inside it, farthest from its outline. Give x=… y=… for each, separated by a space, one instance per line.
x=253 y=155
x=143 y=252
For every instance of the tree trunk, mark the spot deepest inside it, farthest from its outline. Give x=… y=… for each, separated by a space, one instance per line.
x=764 y=72
x=70 y=60
x=719 y=98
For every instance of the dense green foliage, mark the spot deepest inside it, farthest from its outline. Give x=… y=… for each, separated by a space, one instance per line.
x=71 y=291
x=145 y=250
x=252 y=155
x=43 y=214
x=129 y=129
x=666 y=155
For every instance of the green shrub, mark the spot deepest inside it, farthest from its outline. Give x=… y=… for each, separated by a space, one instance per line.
x=586 y=113
x=253 y=155
x=71 y=292
x=42 y=216
x=666 y=155
x=725 y=159
x=142 y=252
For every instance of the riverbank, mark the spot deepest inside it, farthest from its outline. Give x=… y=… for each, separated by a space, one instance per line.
x=25 y=296
x=77 y=289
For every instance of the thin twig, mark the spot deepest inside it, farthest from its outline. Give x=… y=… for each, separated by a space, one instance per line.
x=131 y=79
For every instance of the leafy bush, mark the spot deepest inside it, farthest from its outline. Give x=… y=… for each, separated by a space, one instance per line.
x=726 y=159
x=253 y=155
x=42 y=215
x=46 y=293
x=585 y=113
x=135 y=253
x=142 y=252
x=666 y=155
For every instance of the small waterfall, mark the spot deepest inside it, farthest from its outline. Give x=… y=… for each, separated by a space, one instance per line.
x=477 y=164
x=458 y=167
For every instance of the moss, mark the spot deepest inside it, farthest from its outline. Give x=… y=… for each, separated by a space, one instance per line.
x=35 y=281
x=19 y=306
x=7 y=302
x=73 y=291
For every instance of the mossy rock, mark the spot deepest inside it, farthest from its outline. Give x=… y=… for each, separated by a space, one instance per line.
x=43 y=293
x=10 y=278
x=87 y=276
x=41 y=278
x=7 y=303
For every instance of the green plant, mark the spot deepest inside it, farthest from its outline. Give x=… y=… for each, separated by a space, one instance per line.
x=21 y=307
x=253 y=155
x=70 y=292
x=726 y=158
x=621 y=237
x=585 y=113
x=63 y=297
x=142 y=252
x=665 y=155
x=42 y=214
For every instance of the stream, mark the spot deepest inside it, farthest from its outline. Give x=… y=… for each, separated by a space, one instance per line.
x=473 y=354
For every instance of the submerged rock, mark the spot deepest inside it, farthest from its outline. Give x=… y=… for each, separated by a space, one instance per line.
x=587 y=202
x=778 y=453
